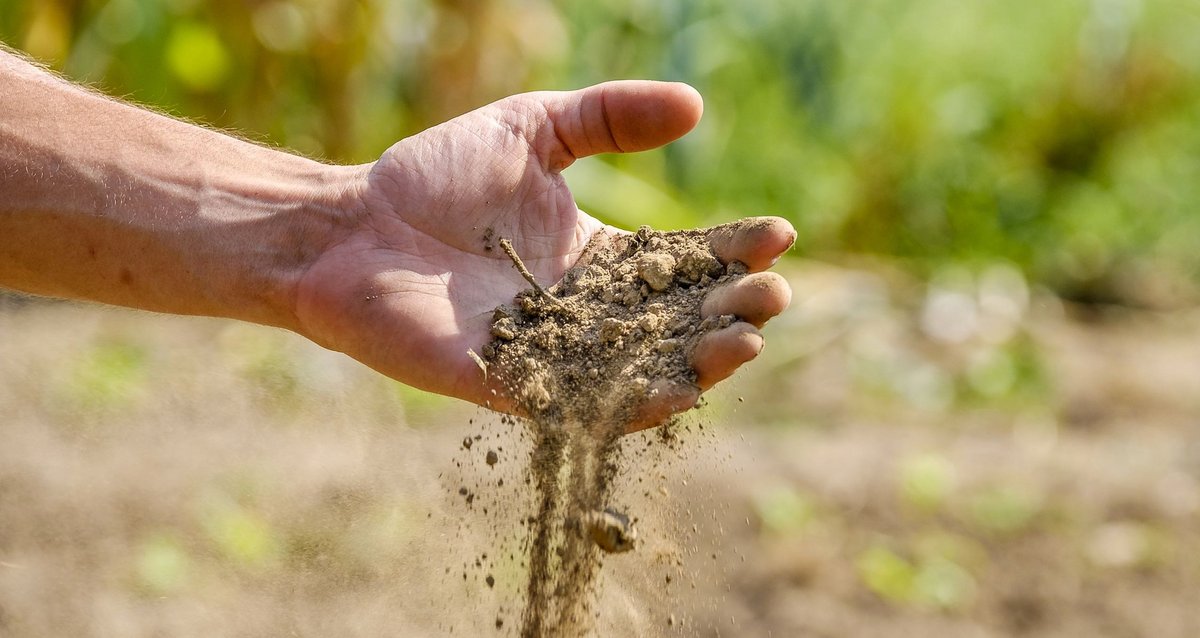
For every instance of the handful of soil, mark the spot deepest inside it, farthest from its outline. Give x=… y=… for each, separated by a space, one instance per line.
x=619 y=327
x=581 y=360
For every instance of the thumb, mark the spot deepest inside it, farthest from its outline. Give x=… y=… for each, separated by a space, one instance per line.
x=621 y=117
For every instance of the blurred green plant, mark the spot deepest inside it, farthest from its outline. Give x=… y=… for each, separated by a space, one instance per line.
x=1058 y=137
x=234 y=522
x=1003 y=509
x=109 y=375
x=162 y=565
x=784 y=511
x=932 y=581
x=263 y=359
x=926 y=480
x=241 y=535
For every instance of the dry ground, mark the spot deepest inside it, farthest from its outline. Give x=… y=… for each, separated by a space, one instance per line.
x=965 y=459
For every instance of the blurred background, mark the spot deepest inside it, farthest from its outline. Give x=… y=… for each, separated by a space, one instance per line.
x=981 y=416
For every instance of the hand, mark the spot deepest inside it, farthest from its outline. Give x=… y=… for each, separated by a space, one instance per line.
x=410 y=284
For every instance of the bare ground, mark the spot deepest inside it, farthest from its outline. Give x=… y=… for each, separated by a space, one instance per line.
x=966 y=459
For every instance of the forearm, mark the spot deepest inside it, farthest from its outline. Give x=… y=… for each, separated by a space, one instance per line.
x=107 y=202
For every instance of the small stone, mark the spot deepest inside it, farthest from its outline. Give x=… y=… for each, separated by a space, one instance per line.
x=505 y=329
x=527 y=304
x=649 y=322
x=632 y=296
x=491 y=582
x=612 y=330
x=588 y=277
x=610 y=530
x=667 y=345
x=656 y=269
x=736 y=268
x=491 y=457
x=467 y=443
x=694 y=263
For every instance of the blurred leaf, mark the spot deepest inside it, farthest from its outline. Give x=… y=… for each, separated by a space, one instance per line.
x=926 y=480
x=1005 y=509
x=622 y=198
x=162 y=565
x=111 y=374
x=886 y=573
x=943 y=584
x=48 y=35
x=240 y=534
x=420 y=407
x=197 y=57
x=784 y=511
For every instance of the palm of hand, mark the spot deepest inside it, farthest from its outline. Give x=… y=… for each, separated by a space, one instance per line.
x=412 y=288
x=409 y=284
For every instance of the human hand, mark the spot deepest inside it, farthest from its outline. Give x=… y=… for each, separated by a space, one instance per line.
x=409 y=282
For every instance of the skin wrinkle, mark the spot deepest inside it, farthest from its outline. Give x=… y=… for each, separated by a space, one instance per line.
x=425 y=217
x=498 y=152
x=612 y=135
x=545 y=144
x=558 y=146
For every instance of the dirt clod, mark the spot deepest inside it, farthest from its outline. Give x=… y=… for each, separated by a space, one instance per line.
x=611 y=531
x=657 y=269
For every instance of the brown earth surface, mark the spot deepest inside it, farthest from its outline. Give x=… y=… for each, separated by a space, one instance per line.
x=967 y=458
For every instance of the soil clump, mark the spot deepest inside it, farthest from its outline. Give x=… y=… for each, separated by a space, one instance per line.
x=581 y=360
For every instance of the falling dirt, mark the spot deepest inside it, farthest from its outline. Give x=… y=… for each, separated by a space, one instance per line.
x=583 y=361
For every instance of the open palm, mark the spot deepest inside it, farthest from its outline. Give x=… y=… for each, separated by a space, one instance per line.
x=411 y=284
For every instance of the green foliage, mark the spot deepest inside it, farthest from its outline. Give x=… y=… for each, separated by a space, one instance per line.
x=926 y=481
x=262 y=359
x=1059 y=137
x=196 y=56
x=931 y=581
x=886 y=573
x=241 y=535
x=784 y=511
x=1005 y=509
x=162 y=565
x=111 y=374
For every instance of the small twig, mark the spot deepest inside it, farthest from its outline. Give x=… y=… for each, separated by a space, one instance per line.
x=516 y=260
x=479 y=362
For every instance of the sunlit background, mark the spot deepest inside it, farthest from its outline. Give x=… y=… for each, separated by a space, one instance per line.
x=981 y=416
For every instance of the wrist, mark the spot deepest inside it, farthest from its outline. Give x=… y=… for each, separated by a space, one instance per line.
x=291 y=215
